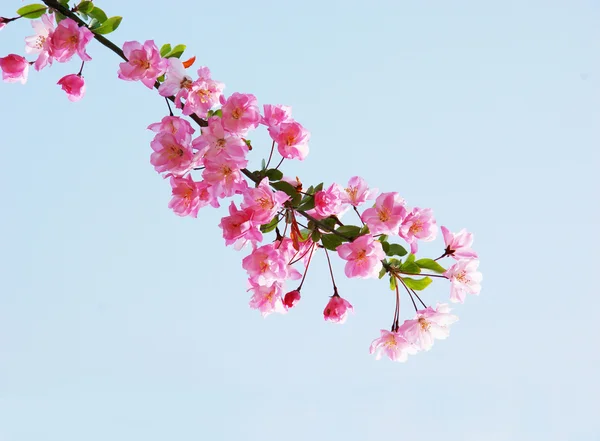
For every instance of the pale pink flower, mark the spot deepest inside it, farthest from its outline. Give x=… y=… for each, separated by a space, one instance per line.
x=177 y=82
x=458 y=245
x=267 y=299
x=264 y=201
x=419 y=224
x=291 y=298
x=357 y=192
x=69 y=38
x=392 y=344
x=145 y=63
x=292 y=140
x=265 y=265
x=337 y=309
x=74 y=85
x=239 y=228
x=275 y=114
x=364 y=257
x=387 y=214
x=464 y=278
x=207 y=195
x=240 y=113
x=215 y=140
x=429 y=324
x=15 y=68
x=223 y=173
x=186 y=196
x=170 y=155
x=178 y=127
x=328 y=202
x=40 y=42
x=203 y=94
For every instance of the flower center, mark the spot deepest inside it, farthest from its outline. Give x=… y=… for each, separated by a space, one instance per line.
x=462 y=277
x=174 y=151
x=384 y=214
x=237 y=113
x=416 y=227
x=424 y=324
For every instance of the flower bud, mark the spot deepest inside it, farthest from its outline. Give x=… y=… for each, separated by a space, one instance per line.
x=291 y=298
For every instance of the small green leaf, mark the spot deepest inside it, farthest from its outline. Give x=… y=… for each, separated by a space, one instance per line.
x=386 y=246
x=417 y=284
x=315 y=236
x=176 y=52
x=219 y=113
x=266 y=228
x=430 y=264
x=161 y=78
x=382 y=238
x=59 y=17
x=396 y=263
x=274 y=174
x=165 y=49
x=382 y=273
x=331 y=241
x=349 y=230
x=85 y=7
x=307 y=203
x=395 y=250
x=364 y=230
x=64 y=2
x=98 y=14
x=263 y=163
x=286 y=187
x=109 y=26
x=329 y=222
x=392 y=283
x=319 y=187
x=32 y=11
x=409 y=266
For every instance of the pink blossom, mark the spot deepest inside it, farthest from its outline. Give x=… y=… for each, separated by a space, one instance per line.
x=223 y=173
x=145 y=63
x=239 y=228
x=14 y=68
x=177 y=82
x=186 y=196
x=387 y=214
x=264 y=201
x=458 y=245
x=292 y=140
x=178 y=127
x=170 y=155
x=207 y=195
x=364 y=257
x=464 y=278
x=267 y=299
x=215 y=141
x=265 y=265
x=428 y=325
x=337 y=309
x=69 y=38
x=291 y=298
x=419 y=224
x=203 y=94
x=328 y=202
x=40 y=42
x=74 y=85
x=392 y=344
x=357 y=192
x=3 y=22
x=240 y=113
x=275 y=114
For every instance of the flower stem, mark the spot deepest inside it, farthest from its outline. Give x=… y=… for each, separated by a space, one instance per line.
x=331 y=271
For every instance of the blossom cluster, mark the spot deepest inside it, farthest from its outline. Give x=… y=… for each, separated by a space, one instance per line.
x=207 y=166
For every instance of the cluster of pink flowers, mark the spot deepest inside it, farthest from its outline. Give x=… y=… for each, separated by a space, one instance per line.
x=50 y=44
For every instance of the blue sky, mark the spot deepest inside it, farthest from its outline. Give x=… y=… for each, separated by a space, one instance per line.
x=120 y=320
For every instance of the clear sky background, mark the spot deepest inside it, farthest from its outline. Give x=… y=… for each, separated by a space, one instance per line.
x=122 y=321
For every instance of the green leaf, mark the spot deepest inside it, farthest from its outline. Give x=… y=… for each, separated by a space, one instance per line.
x=396 y=263
x=85 y=7
x=64 y=2
x=109 y=26
x=392 y=283
x=430 y=264
x=165 y=49
x=266 y=228
x=331 y=241
x=409 y=266
x=98 y=14
x=315 y=236
x=386 y=246
x=35 y=10
x=286 y=187
x=161 y=78
x=395 y=250
x=263 y=163
x=382 y=273
x=176 y=52
x=59 y=17
x=382 y=238
x=307 y=203
x=319 y=187
x=417 y=284
x=349 y=230
x=219 y=113
x=274 y=174
x=329 y=222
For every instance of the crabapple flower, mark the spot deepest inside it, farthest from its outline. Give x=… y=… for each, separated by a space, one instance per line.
x=265 y=265
x=15 y=68
x=458 y=245
x=240 y=112
x=170 y=155
x=177 y=81
x=464 y=278
x=392 y=344
x=337 y=309
x=364 y=256
x=74 y=85
x=328 y=202
x=291 y=298
x=357 y=192
x=2 y=22
x=419 y=224
x=186 y=196
x=215 y=141
x=178 y=127
x=223 y=173
x=239 y=228
x=263 y=201
x=69 y=38
x=145 y=63
x=267 y=299
x=275 y=114
x=203 y=94
x=429 y=324
x=40 y=42
x=387 y=214
x=292 y=140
